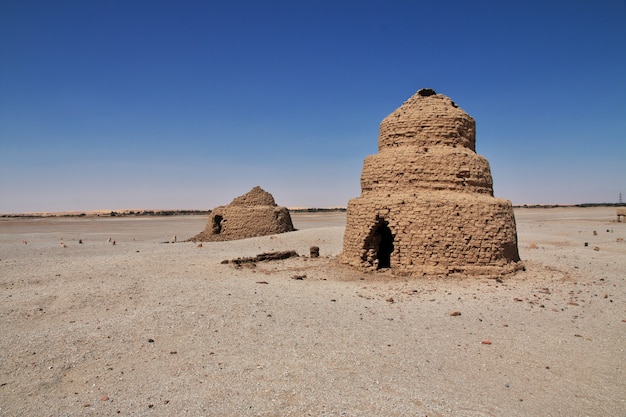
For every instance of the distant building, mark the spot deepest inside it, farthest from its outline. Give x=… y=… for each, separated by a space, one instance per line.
x=252 y=214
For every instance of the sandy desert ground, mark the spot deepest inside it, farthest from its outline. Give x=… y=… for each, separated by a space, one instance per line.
x=150 y=328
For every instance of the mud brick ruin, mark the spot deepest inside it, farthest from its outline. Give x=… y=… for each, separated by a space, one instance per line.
x=252 y=214
x=426 y=204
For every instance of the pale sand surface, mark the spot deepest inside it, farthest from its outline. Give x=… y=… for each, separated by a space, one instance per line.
x=148 y=328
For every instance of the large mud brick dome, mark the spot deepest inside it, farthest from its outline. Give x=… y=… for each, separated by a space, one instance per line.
x=426 y=204
x=252 y=214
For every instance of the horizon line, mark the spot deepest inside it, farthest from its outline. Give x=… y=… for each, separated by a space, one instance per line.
x=165 y=212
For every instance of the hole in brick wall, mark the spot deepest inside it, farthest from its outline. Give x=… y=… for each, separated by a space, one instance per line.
x=217 y=225
x=425 y=92
x=380 y=245
x=385 y=248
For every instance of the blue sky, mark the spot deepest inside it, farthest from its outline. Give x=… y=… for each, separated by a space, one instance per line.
x=188 y=104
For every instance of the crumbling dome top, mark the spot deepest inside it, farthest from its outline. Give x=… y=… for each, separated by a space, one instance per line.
x=428 y=119
x=255 y=197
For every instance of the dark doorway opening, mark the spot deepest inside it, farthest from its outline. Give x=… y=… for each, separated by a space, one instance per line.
x=217 y=224
x=379 y=245
x=385 y=247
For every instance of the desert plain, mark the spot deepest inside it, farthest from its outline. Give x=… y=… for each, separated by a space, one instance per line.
x=148 y=327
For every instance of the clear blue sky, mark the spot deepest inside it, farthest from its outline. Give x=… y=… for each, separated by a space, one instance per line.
x=188 y=104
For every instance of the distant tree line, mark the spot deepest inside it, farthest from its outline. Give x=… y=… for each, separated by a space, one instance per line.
x=158 y=213
x=123 y=213
x=318 y=210
x=570 y=205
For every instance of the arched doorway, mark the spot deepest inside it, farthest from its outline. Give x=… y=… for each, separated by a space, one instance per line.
x=379 y=245
x=217 y=224
x=386 y=246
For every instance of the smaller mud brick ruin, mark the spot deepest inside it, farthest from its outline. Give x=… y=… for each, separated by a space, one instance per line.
x=252 y=214
x=426 y=204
